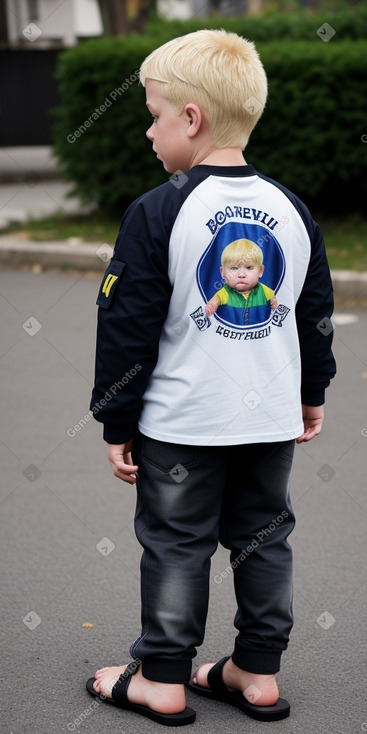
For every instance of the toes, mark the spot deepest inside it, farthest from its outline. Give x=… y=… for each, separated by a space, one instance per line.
x=104 y=680
x=96 y=686
x=100 y=672
x=104 y=686
x=201 y=675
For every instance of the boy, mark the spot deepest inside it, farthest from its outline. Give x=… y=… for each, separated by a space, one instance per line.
x=241 y=268
x=203 y=415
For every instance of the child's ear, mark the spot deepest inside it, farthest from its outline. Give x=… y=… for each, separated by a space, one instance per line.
x=261 y=270
x=194 y=116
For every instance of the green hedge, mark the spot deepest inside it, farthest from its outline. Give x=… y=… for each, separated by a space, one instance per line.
x=309 y=137
x=108 y=158
x=284 y=26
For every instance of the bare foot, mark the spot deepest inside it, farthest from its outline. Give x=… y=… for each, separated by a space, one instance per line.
x=261 y=690
x=166 y=698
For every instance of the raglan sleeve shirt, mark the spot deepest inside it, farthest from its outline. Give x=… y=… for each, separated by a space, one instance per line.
x=133 y=301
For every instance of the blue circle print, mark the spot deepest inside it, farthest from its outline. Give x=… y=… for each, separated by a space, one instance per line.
x=237 y=311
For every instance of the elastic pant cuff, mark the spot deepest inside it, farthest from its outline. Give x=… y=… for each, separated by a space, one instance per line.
x=165 y=670
x=264 y=662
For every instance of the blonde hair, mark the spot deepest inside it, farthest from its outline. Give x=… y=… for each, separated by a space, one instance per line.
x=242 y=250
x=221 y=72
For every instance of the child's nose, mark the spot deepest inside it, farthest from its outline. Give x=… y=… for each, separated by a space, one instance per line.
x=149 y=133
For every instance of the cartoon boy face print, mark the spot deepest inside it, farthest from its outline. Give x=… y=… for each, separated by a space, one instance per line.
x=241 y=298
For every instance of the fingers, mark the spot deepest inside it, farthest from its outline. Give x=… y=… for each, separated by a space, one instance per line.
x=313 y=416
x=309 y=433
x=128 y=477
x=125 y=471
x=121 y=462
x=305 y=437
x=210 y=309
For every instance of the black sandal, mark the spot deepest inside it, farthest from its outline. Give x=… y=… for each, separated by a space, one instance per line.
x=120 y=699
x=219 y=692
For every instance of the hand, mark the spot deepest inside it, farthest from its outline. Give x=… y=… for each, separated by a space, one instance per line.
x=273 y=303
x=210 y=308
x=313 y=416
x=120 y=459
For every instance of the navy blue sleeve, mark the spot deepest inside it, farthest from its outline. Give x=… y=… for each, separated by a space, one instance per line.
x=133 y=303
x=315 y=331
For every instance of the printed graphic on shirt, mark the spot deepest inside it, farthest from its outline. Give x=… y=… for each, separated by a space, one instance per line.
x=239 y=275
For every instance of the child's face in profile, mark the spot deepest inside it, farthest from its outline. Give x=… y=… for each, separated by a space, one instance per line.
x=167 y=132
x=241 y=276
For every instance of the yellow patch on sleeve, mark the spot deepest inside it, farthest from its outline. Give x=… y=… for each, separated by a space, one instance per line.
x=107 y=285
x=110 y=282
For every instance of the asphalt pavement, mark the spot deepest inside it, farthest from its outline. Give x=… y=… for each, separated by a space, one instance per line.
x=70 y=562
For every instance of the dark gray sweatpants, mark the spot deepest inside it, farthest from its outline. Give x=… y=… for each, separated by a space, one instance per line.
x=188 y=499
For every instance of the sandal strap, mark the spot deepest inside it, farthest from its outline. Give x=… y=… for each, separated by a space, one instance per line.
x=215 y=678
x=119 y=691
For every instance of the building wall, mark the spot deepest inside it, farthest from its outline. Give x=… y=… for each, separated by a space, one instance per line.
x=28 y=92
x=44 y=21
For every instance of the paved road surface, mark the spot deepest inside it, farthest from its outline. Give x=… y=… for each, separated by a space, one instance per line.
x=70 y=561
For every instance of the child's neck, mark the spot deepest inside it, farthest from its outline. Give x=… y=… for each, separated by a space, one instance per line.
x=221 y=157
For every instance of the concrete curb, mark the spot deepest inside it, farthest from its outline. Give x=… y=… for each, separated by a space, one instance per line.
x=28 y=164
x=14 y=254
x=52 y=255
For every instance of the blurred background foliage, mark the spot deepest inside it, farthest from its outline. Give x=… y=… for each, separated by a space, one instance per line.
x=310 y=136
